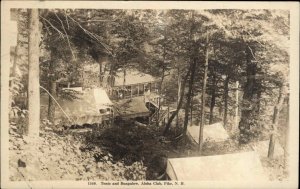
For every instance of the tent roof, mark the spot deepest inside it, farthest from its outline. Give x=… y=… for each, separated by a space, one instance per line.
x=101 y=97
x=215 y=132
x=262 y=147
x=132 y=107
x=228 y=167
x=85 y=109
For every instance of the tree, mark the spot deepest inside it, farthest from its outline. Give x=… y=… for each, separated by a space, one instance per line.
x=179 y=105
x=253 y=32
x=33 y=76
x=202 y=123
x=282 y=94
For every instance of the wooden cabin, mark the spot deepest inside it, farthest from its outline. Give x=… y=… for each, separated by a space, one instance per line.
x=134 y=84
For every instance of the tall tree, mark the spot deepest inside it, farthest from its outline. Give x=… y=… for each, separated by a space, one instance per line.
x=282 y=94
x=33 y=76
x=202 y=123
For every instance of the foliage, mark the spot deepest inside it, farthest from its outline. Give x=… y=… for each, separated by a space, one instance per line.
x=249 y=46
x=55 y=157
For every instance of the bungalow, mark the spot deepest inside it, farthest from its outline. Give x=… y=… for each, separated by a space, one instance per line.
x=134 y=84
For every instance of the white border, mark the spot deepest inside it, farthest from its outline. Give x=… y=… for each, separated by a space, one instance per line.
x=294 y=83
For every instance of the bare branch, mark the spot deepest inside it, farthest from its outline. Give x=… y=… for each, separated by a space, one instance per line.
x=92 y=35
x=98 y=21
x=254 y=39
x=66 y=19
x=66 y=36
x=251 y=52
x=53 y=26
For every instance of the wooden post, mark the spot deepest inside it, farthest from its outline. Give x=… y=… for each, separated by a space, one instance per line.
x=138 y=93
x=130 y=91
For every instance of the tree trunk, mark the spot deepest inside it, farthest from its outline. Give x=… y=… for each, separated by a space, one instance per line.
x=100 y=74
x=16 y=57
x=124 y=77
x=179 y=103
x=33 y=75
x=248 y=112
x=202 y=122
x=213 y=100
x=51 y=105
x=124 y=82
x=162 y=79
x=286 y=146
x=191 y=109
x=178 y=96
x=236 y=106
x=226 y=83
x=277 y=110
x=52 y=88
x=160 y=93
x=189 y=96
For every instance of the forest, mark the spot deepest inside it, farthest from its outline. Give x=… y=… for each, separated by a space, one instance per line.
x=214 y=66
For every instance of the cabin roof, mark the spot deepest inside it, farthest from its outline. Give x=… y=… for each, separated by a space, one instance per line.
x=133 y=107
x=132 y=77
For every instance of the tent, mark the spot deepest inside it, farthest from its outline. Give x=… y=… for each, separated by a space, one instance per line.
x=131 y=108
x=214 y=132
x=262 y=147
x=244 y=166
x=83 y=109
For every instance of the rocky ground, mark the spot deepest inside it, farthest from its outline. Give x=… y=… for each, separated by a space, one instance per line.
x=55 y=157
x=126 y=152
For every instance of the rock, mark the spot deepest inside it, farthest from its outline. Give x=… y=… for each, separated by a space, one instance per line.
x=21 y=163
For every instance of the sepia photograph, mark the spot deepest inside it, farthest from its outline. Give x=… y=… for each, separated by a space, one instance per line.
x=162 y=97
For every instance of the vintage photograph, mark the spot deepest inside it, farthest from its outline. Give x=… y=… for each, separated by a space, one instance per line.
x=148 y=95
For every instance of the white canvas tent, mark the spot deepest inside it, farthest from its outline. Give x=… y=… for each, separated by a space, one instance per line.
x=214 y=132
x=101 y=97
x=244 y=166
x=83 y=109
x=262 y=147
